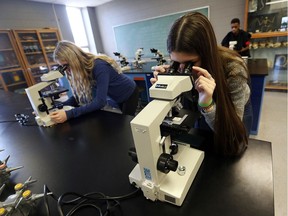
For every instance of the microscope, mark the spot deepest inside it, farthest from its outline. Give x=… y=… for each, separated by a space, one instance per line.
x=138 y=62
x=44 y=94
x=124 y=64
x=158 y=56
x=165 y=169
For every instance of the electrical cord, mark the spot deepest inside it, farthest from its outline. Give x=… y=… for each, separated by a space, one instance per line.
x=7 y=121
x=46 y=204
x=76 y=208
x=82 y=200
x=102 y=204
x=92 y=200
x=22 y=119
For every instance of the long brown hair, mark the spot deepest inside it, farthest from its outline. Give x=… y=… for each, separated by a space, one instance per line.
x=194 y=34
x=81 y=66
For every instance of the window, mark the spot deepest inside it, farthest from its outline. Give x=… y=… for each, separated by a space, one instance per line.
x=77 y=27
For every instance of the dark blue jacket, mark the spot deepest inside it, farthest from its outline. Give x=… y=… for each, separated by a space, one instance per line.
x=109 y=83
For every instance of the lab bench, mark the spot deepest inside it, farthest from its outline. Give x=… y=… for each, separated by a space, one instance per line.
x=227 y=185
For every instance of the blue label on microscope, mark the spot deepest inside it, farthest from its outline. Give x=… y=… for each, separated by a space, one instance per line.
x=147 y=174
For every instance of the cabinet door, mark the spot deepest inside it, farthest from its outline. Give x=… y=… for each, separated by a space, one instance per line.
x=275 y=51
x=14 y=80
x=37 y=47
x=49 y=41
x=267 y=22
x=12 y=75
x=31 y=48
x=32 y=52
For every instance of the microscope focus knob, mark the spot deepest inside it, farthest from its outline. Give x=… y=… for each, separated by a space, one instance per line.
x=42 y=108
x=166 y=163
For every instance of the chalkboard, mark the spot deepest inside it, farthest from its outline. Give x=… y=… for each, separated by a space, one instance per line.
x=147 y=34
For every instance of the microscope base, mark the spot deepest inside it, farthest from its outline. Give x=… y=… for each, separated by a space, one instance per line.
x=174 y=187
x=44 y=121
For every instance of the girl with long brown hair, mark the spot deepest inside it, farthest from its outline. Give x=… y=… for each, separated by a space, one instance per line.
x=221 y=80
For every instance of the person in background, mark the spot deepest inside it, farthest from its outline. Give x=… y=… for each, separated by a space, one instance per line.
x=237 y=39
x=221 y=80
x=93 y=78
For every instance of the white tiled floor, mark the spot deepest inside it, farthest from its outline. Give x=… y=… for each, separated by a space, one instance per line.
x=273 y=128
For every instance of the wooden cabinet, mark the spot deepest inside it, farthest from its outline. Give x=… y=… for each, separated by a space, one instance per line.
x=36 y=48
x=267 y=22
x=266 y=18
x=25 y=55
x=12 y=71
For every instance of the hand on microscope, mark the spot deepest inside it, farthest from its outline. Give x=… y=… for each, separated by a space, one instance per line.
x=158 y=69
x=204 y=83
x=58 y=116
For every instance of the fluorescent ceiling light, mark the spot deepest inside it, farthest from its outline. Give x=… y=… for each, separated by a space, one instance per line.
x=75 y=3
x=275 y=2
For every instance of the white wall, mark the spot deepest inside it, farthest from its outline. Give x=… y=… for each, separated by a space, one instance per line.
x=120 y=12
x=17 y=14
x=20 y=14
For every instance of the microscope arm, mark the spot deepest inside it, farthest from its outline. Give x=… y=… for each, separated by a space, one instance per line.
x=150 y=146
x=147 y=136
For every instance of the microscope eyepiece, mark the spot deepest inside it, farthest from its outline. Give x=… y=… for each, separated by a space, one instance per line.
x=63 y=68
x=153 y=50
x=174 y=67
x=188 y=67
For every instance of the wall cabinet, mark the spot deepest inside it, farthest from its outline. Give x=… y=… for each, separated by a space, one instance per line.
x=267 y=22
x=12 y=70
x=274 y=49
x=36 y=48
x=25 y=55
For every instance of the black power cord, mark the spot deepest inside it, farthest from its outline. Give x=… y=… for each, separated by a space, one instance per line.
x=7 y=121
x=102 y=204
x=22 y=119
x=105 y=205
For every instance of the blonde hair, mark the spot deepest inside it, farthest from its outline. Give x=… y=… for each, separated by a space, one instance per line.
x=81 y=66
